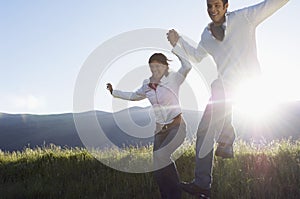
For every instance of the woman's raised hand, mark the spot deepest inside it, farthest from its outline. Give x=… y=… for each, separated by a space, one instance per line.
x=109 y=87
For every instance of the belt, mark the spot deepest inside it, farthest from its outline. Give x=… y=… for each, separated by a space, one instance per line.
x=176 y=121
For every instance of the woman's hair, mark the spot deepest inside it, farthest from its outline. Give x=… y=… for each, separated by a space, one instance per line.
x=159 y=57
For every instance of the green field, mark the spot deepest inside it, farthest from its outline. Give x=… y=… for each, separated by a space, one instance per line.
x=270 y=171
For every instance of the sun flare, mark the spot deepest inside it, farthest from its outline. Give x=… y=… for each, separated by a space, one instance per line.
x=256 y=100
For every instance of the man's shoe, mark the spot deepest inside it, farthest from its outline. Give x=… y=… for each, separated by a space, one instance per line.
x=193 y=189
x=224 y=150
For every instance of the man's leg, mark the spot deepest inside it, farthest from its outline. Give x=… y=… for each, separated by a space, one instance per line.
x=212 y=121
x=204 y=157
x=222 y=114
x=227 y=135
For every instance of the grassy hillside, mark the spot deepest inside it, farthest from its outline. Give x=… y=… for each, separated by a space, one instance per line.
x=271 y=171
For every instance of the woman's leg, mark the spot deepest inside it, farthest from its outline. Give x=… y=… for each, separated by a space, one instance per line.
x=165 y=143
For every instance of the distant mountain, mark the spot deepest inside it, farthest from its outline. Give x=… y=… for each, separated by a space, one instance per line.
x=20 y=130
x=133 y=126
x=25 y=130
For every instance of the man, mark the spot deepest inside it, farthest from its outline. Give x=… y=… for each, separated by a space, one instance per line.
x=230 y=40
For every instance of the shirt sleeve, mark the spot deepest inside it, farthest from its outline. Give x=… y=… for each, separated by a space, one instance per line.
x=185 y=65
x=261 y=11
x=183 y=49
x=132 y=96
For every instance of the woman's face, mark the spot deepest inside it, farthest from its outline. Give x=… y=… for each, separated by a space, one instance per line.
x=158 y=69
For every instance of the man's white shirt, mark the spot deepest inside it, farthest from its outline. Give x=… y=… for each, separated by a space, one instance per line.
x=236 y=55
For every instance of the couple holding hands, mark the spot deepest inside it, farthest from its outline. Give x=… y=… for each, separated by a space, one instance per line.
x=230 y=39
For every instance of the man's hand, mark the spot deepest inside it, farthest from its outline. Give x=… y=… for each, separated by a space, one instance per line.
x=109 y=87
x=173 y=37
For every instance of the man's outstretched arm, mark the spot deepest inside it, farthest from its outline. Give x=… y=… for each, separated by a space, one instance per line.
x=179 y=44
x=261 y=11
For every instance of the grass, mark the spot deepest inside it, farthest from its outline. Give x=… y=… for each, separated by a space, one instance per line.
x=270 y=171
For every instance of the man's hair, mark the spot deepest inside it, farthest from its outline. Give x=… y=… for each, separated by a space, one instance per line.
x=225 y=1
x=160 y=58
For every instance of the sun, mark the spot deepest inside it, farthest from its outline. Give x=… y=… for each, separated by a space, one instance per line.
x=256 y=100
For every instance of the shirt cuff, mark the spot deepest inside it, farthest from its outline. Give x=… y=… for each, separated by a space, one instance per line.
x=114 y=93
x=178 y=45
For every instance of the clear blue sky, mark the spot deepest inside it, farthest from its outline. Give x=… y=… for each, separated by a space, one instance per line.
x=43 y=44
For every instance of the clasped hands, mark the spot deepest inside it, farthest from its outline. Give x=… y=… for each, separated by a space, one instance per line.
x=173 y=37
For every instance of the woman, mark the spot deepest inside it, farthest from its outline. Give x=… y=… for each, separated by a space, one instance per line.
x=162 y=90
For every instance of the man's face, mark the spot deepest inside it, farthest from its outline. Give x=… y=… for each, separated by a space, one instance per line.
x=216 y=10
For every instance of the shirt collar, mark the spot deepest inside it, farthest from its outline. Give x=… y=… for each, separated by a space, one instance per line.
x=224 y=25
x=163 y=80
